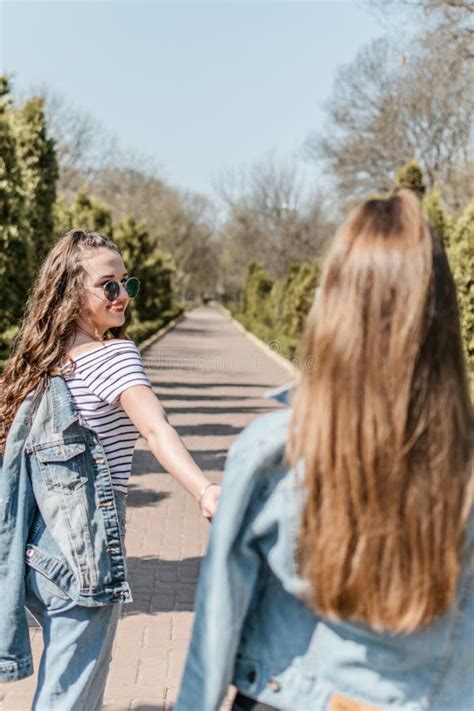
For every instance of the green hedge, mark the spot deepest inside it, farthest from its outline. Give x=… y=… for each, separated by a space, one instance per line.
x=275 y=310
x=6 y=342
x=458 y=236
x=32 y=216
x=142 y=330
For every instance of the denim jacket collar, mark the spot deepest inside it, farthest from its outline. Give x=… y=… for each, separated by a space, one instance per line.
x=57 y=412
x=63 y=408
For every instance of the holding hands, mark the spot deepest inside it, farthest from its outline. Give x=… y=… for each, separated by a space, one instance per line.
x=208 y=499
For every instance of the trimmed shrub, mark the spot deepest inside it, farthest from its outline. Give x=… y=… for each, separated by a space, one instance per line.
x=142 y=330
x=257 y=293
x=276 y=311
x=411 y=176
x=461 y=259
x=439 y=219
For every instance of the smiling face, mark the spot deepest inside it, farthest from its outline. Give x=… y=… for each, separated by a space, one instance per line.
x=99 y=314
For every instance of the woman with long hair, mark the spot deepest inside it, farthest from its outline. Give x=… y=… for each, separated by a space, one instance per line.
x=340 y=567
x=74 y=399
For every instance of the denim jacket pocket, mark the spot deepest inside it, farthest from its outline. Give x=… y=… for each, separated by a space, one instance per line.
x=42 y=588
x=63 y=466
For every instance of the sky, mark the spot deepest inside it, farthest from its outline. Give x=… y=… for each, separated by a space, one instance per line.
x=199 y=87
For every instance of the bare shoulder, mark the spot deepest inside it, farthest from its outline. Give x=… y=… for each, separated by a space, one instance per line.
x=87 y=348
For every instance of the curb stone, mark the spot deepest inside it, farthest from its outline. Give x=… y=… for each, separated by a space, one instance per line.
x=162 y=332
x=281 y=360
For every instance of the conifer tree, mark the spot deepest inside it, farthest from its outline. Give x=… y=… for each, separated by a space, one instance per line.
x=62 y=216
x=257 y=290
x=39 y=168
x=437 y=215
x=90 y=214
x=461 y=259
x=15 y=266
x=153 y=267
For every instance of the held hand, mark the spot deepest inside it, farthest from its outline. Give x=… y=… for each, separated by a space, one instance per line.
x=208 y=501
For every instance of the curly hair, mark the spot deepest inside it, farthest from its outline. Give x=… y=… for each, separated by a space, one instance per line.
x=50 y=321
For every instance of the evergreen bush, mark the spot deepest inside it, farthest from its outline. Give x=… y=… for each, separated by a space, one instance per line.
x=461 y=258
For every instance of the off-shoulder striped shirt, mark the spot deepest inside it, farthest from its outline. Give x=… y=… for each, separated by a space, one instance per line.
x=100 y=377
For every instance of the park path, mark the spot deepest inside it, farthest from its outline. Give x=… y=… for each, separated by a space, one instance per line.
x=210 y=377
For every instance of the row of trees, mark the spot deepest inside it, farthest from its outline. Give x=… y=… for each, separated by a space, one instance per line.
x=396 y=101
x=182 y=222
x=275 y=309
x=28 y=174
x=401 y=112
x=33 y=214
x=408 y=94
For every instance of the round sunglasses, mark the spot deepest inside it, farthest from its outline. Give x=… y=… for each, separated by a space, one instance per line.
x=112 y=288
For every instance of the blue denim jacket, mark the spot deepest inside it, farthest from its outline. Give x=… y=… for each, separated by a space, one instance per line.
x=252 y=629
x=57 y=514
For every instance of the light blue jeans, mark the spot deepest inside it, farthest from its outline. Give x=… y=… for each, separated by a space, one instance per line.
x=77 y=643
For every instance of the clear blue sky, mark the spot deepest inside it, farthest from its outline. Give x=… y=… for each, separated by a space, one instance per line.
x=197 y=86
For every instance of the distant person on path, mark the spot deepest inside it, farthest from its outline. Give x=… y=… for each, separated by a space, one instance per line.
x=74 y=400
x=339 y=575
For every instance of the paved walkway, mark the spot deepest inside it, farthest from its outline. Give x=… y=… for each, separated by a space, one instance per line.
x=210 y=378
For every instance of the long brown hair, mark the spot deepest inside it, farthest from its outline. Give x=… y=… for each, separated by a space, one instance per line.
x=384 y=424
x=49 y=322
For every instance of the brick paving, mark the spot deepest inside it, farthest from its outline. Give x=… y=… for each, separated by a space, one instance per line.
x=210 y=378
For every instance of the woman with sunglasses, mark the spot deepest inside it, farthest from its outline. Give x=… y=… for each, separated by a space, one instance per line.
x=74 y=400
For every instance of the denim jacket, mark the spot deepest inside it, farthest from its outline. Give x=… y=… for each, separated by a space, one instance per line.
x=253 y=630
x=58 y=515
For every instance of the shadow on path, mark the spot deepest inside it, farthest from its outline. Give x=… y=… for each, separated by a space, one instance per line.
x=161 y=585
x=207 y=430
x=205 y=386
x=212 y=460
x=203 y=398
x=188 y=329
x=137 y=496
x=216 y=410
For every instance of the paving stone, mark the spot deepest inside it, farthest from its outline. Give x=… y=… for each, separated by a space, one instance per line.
x=117 y=704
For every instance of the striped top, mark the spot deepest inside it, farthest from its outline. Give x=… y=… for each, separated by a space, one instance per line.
x=100 y=377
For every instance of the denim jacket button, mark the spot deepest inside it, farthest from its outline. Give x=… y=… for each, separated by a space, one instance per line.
x=273 y=684
x=29 y=552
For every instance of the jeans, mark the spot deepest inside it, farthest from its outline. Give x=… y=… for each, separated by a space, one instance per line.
x=77 y=643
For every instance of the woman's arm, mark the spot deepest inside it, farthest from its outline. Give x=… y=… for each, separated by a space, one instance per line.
x=148 y=416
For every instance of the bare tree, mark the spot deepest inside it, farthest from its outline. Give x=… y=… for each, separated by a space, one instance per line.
x=83 y=145
x=188 y=231
x=132 y=186
x=272 y=218
x=454 y=23
x=446 y=23
x=389 y=107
